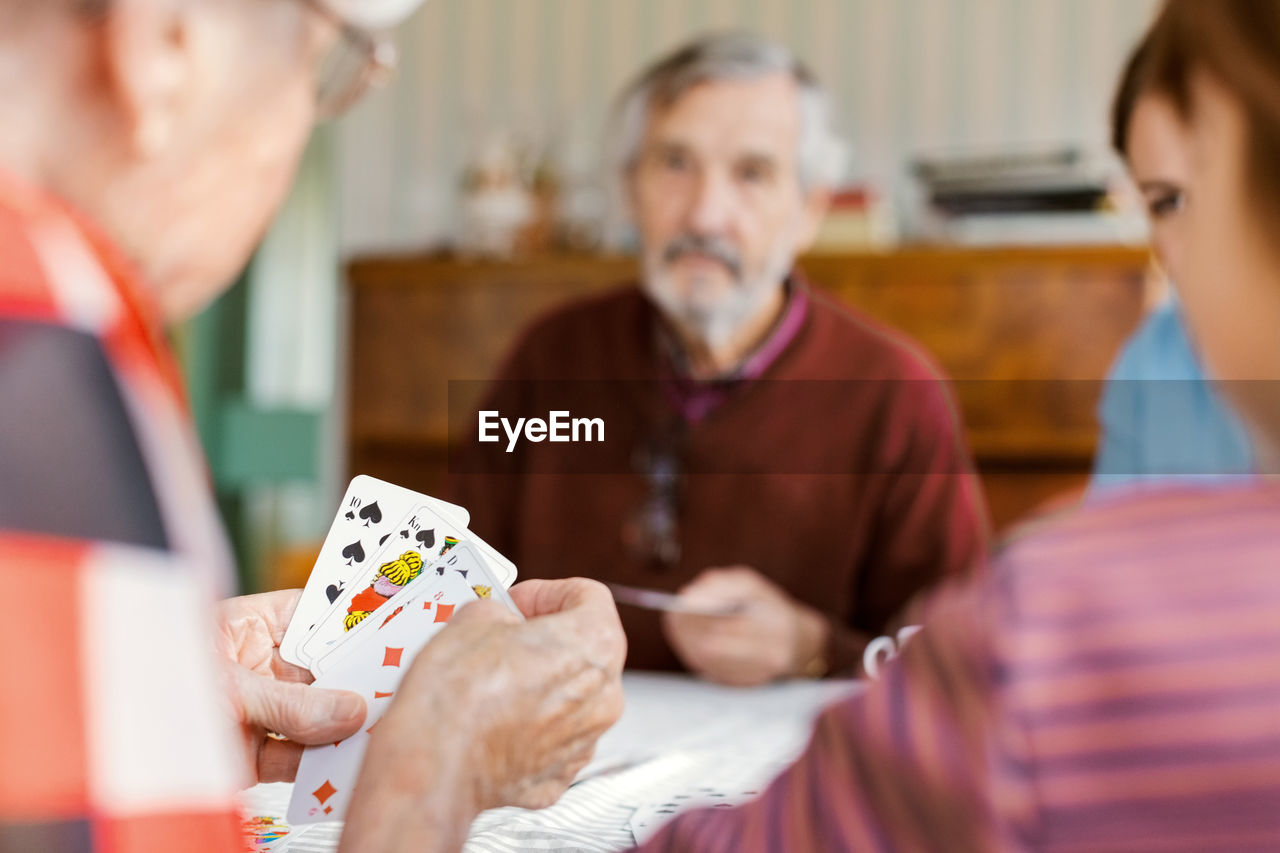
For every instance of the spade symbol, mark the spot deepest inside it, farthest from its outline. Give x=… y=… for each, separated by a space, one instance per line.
x=350 y=516
x=440 y=571
x=404 y=534
x=463 y=572
x=332 y=591
x=426 y=538
x=371 y=514
x=353 y=552
x=384 y=538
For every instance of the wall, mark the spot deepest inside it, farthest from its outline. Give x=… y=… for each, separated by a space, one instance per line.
x=906 y=76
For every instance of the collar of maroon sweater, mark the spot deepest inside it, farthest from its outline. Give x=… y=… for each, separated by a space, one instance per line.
x=695 y=399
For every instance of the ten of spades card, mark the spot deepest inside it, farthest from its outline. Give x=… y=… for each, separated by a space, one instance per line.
x=423 y=536
x=369 y=513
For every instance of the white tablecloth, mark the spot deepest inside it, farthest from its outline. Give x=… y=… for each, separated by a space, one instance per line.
x=680 y=744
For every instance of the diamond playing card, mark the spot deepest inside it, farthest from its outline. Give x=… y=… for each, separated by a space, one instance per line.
x=393 y=570
x=327 y=773
x=463 y=561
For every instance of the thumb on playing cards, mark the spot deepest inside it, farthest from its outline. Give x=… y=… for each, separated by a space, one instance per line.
x=483 y=611
x=300 y=712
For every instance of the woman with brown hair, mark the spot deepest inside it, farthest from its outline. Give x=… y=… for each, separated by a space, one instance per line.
x=1113 y=684
x=1160 y=418
x=1220 y=62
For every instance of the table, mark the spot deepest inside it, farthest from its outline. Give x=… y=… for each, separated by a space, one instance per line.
x=681 y=743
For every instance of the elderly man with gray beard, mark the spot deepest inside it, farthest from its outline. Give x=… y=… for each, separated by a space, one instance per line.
x=789 y=468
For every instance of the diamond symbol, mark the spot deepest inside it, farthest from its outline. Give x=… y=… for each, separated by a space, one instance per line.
x=391 y=657
x=324 y=792
x=443 y=612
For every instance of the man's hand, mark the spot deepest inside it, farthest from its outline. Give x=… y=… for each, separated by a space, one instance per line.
x=770 y=637
x=492 y=712
x=269 y=694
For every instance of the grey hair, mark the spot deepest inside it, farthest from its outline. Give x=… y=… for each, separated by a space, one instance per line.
x=821 y=154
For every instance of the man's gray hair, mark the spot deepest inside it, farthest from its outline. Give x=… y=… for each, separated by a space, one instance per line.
x=820 y=155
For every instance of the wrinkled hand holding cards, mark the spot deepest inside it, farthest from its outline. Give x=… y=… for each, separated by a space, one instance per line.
x=395 y=566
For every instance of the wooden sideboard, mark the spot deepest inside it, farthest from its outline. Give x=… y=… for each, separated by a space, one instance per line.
x=1026 y=333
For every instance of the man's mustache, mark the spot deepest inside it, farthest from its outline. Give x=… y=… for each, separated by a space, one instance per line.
x=710 y=247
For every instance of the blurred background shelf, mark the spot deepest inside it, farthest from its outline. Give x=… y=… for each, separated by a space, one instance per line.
x=1025 y=333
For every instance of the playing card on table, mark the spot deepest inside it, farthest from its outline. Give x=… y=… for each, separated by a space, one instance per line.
x=462 y=561
x=369 y=513
x=327 y=774
x=422 y=537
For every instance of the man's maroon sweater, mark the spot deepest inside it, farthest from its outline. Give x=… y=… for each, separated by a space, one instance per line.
x=839 y=473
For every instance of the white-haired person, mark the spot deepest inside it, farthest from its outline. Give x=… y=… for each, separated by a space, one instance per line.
x=767 y=451
x=145 y=145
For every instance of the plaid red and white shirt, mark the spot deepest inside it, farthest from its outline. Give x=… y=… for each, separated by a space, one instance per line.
x=112 y=734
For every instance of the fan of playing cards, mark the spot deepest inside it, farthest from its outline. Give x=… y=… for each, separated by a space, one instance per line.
x=393 y=569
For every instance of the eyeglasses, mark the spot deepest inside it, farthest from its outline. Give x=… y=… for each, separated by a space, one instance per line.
x=652 y=531
x=357 y=62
